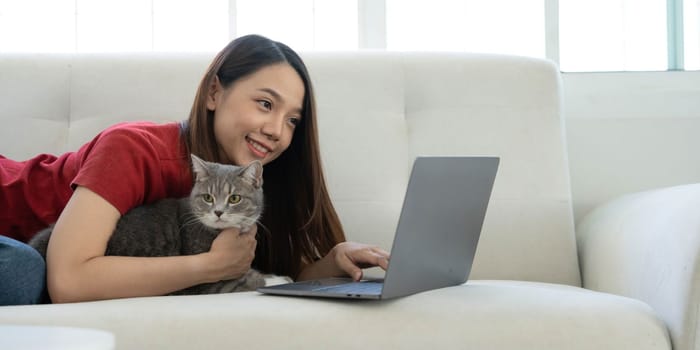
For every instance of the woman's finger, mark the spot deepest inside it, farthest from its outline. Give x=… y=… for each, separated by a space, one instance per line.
x=372 y=257
x=381 y=252
x=346 y=264
x=364 y=258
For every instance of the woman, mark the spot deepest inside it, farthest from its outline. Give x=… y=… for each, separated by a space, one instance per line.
x=255 y=102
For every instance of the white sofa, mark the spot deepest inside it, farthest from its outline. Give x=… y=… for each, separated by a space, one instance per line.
x=626 y=278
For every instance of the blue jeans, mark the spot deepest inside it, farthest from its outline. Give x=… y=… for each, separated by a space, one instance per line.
x=22 y=273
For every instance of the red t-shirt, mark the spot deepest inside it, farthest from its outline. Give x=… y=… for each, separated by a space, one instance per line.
x=128 y=165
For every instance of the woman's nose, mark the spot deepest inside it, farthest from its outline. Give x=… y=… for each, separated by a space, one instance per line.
x=273 y=128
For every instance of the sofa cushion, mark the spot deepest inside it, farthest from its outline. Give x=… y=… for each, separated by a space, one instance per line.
x=379 y=111
x=476 y=315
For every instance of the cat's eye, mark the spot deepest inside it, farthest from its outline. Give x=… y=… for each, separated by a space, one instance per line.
x=234 y=199
x=207 y=198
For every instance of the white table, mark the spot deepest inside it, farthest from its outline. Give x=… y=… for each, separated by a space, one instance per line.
x=23 y=337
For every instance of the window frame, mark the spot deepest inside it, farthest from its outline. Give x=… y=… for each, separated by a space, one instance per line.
x=372 y=31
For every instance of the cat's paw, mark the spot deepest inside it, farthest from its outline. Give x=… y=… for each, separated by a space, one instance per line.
x=272 y=280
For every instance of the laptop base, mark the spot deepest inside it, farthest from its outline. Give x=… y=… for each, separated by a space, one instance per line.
x=329 y=288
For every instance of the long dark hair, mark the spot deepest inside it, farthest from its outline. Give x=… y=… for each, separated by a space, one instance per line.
x=303 y=225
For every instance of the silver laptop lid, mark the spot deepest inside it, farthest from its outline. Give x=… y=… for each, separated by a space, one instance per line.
x=440 y=223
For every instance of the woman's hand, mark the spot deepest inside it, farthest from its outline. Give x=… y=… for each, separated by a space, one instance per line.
x=347 y=259
x=351 y=258
x=232 y=253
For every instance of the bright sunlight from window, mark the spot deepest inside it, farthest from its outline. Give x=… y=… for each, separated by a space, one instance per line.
x=593 y=35
x=25 y=28
x=495 y=26
x=691 y=35
x=301 y=24
x=111 y=26
x=612 y=35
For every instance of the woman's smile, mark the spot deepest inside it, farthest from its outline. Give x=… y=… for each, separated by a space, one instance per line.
x=258 y=149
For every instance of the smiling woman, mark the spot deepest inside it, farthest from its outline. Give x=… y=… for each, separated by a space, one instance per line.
x=255 y=102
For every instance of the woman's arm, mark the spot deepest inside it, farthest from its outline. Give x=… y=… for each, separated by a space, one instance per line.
x=77 y=269
x=346 y=259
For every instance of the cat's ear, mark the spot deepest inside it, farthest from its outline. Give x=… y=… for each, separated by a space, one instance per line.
x=253 y=172
x=199 y=166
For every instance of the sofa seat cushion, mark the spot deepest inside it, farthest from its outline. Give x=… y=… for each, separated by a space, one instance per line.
x=478 y=315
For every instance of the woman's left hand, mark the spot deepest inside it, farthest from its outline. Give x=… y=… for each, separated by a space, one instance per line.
x=351 y=258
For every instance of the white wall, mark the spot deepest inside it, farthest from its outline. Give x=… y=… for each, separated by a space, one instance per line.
x=630 y=132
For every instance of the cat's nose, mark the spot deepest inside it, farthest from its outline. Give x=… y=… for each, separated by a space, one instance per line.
x=218 y=213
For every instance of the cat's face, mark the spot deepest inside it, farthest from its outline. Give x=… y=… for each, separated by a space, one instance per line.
x=226 y=196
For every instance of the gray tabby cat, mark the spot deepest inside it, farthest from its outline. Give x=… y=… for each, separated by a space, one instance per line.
x=223 y=196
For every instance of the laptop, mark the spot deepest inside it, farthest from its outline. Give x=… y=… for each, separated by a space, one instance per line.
x=436 y=237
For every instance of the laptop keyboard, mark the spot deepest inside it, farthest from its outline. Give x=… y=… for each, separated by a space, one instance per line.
x=365 y=287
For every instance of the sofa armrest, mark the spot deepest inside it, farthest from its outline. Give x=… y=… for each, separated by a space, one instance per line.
x=646 y=246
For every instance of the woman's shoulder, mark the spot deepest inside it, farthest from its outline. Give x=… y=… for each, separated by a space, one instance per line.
x=143 y=128
x=133 y=163
x=162 y=139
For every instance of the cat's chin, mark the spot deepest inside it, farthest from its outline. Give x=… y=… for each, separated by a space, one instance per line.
x=218 y=225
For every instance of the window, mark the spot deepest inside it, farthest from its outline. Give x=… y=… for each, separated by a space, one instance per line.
x=629 y=35
x=187 y=25
x=612 y=35
x=105 y=25
x=109 y=25
x=691 y=34
x=495 y=26
x=591 y=35
x=301 y=24
x=37 y=25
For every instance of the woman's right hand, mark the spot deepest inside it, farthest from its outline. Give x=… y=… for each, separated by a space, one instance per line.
x=232 y=253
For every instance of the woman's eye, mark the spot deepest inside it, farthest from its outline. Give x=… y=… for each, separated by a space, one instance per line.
x=294 y=121
x=265 y=104
x=234 y=199
x=207 y=198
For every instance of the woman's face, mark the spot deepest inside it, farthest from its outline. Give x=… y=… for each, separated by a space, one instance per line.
x=255 y=117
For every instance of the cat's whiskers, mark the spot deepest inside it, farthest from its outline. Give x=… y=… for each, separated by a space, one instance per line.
x=190 y=219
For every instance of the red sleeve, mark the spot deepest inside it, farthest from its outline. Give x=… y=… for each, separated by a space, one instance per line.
x=122 y=166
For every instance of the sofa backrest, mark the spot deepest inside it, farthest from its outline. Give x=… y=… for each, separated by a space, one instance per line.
x=377 y=111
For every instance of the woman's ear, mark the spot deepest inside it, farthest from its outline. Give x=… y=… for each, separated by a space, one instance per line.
x=214 y=93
